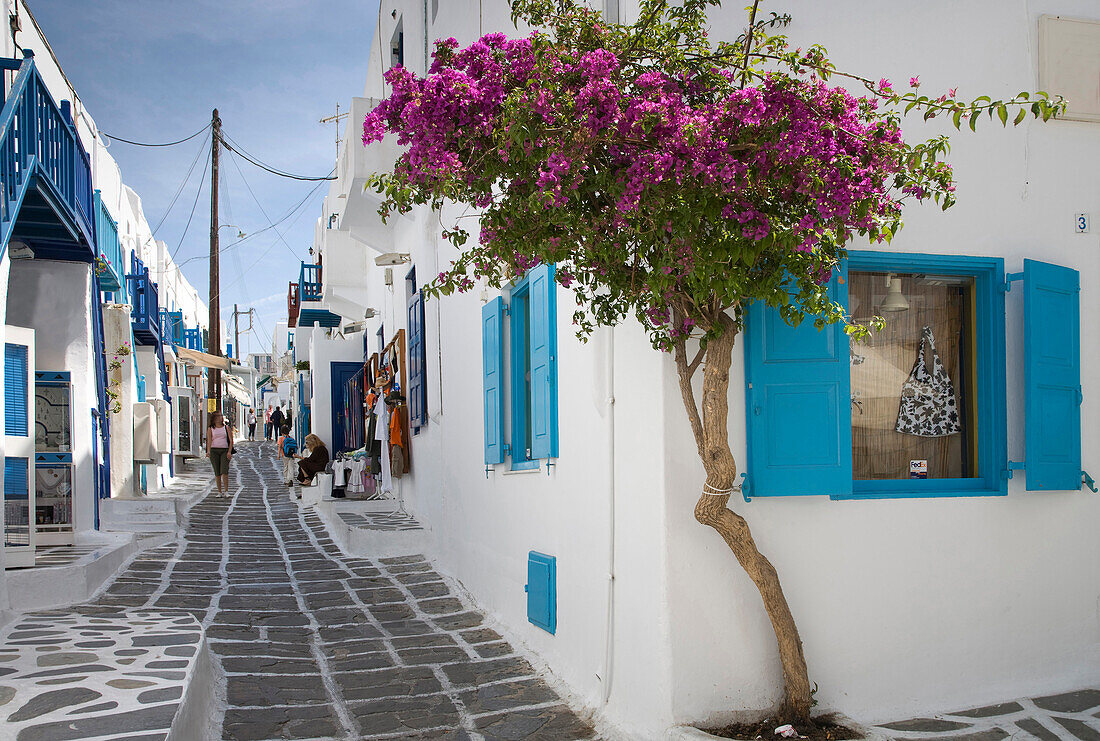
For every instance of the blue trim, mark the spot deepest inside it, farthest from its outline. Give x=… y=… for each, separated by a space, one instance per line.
x=519 y=318
x=492 y=379
x=992 y=415
x=52 y=378
x=340 y=372
x=52 y=458
x=542 y=591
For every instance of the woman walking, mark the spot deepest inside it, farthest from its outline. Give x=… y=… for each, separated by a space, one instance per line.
x=219 y=449
x=315 y=463
x=251 y=425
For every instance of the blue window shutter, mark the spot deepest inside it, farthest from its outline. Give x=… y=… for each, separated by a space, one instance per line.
x=798 y=403
x=542 y=591
x=492 y=355
x=544 y=362
x=16 y=478
x=1052 y=377
x=15 y=389
x=416 y=391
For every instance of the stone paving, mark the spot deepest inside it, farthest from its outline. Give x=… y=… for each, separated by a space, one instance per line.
x=386 y=521
x=319 y=645
x=1071 y=716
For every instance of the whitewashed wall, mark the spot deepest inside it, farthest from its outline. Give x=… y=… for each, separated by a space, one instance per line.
x=905 y=607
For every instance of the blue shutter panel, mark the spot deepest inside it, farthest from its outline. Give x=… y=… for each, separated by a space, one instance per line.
x=15 y=389
x=417 y=406
x=544 y=362
x=798 y=404
x=542 y=597
x=492 y=355
x=1052 y=377
x=16 y=478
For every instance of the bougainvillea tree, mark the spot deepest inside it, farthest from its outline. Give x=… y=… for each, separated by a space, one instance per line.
x=673 y=180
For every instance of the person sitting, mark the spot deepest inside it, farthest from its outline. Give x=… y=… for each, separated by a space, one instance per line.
x=315 y=463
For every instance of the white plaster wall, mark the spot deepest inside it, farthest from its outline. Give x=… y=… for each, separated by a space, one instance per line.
x=916 y=606
x=116 y=330
x=5 y=603
x=904 y=606
x=52 y=299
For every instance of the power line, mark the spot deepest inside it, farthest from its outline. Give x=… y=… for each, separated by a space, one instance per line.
x=260 y=205
x=187 y=226
x=269 y=168
x=148 y=144
x=183 y=184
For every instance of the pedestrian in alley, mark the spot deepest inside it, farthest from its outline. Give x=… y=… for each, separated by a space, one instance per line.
x=219 y=449
x=251 y=425
x=315 y=463
x=278 y=419
x=288 y=449
x=267 y=423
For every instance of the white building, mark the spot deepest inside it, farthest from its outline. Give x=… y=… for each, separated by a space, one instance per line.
x=912 y=595
x=88 y=354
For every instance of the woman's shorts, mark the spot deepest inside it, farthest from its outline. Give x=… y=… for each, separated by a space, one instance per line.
x=219 y=459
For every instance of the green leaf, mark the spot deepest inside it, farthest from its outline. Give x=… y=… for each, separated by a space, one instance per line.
x=1002 y=113
x=1020 y=117
x=957 y=118
x=974 y=121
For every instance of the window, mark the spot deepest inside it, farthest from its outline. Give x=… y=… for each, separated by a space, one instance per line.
x=397 y=46
x=418 y=387
x=871 y=419
x=530 y=385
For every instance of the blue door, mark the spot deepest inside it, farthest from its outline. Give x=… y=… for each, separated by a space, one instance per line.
x=341 y=373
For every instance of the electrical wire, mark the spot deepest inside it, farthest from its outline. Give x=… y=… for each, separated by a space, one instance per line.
x=112 y=137
x=232 y=146
x=260 y=206
x=187 y=226
x=183 y=184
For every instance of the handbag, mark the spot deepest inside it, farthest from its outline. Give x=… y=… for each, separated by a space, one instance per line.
x=928 y=406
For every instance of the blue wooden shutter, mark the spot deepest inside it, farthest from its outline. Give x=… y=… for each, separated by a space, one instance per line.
x=492 y=355
x=16 y=478
x=798 y=404
x=1052 y=377
x=544 y=363
x=542 y=592
x=15 y=389
x=417 y=388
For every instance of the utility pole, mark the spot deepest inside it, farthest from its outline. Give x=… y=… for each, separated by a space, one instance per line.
x=215 y=344
x=237 y=331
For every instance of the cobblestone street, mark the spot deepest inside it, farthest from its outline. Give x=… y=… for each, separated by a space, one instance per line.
x=319 y=645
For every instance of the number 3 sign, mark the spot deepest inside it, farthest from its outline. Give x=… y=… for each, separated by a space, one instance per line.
x=1081 y=223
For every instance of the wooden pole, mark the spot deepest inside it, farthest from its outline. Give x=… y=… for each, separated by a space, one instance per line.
x=215 y=344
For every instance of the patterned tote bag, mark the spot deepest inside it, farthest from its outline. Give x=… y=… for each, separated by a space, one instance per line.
x=928 y=407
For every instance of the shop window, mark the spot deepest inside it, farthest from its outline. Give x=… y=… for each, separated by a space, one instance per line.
x=530 y=385
x=914 y=381
x=870 y=419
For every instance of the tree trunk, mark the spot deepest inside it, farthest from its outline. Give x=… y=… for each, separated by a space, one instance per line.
x=710 y=425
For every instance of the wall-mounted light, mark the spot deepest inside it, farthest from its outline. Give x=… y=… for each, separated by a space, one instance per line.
x=392 y=258
x=895 y=299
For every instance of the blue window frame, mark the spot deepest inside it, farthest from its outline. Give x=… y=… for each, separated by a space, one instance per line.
x=798 y=381
x=530 y=384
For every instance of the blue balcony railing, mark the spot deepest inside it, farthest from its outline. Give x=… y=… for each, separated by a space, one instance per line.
x=109 y=264
x=40 y=151
x=171 y=325
x=193 y=340
x=309 y=282
x=145 y=314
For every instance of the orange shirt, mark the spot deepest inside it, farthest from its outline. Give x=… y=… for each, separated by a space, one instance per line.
x=395 y=427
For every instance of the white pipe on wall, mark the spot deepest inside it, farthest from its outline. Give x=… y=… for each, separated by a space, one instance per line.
x=609 y=635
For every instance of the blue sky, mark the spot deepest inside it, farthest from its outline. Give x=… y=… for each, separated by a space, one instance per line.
x=152 y=71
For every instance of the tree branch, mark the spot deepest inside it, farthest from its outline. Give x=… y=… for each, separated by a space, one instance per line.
x=688 y=394
x=748 y=42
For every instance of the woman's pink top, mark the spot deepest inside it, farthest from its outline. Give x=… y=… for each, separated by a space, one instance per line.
x=219 y=437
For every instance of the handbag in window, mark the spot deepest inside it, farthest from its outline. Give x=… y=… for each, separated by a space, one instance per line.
x=928 y=406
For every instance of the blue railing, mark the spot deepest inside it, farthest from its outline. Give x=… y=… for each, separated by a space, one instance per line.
x=171 y=324
x=145 y=314
x=192 y=339
x=38 y=135
x=110 y=267
x=309 y=282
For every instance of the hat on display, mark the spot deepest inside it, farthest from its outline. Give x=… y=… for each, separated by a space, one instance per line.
x=395 y=397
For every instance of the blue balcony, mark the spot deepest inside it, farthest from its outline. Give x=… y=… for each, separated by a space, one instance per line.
x=171 y=325
x=46 y=203
x=193 y=339
x=109 y=265
x=309 y=282
x=145 y=315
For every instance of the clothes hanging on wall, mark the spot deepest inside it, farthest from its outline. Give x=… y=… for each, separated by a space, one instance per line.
x=380 y=435
x=928 y=406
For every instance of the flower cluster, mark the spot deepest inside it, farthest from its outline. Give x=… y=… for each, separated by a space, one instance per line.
x=664 y=184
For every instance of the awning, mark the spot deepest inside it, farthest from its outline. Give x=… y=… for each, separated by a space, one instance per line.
x=262 y=381
x=202 y=360
x=237 y=390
